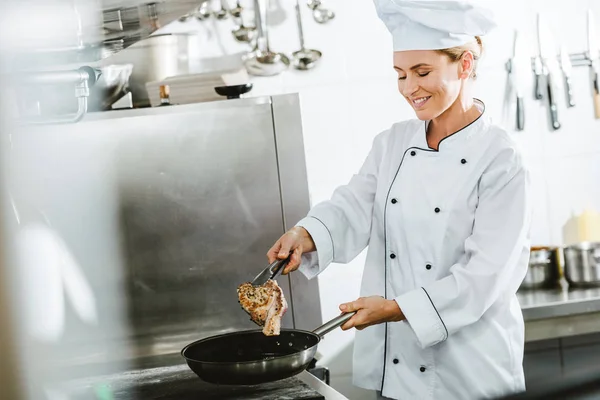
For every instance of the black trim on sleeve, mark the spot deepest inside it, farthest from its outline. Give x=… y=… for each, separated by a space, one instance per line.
x=330 y=236
x=436 y=311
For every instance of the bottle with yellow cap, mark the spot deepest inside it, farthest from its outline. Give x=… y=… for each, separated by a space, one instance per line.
x=584 y=227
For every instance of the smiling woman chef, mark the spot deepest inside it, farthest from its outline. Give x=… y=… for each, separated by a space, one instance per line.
x=443 y=203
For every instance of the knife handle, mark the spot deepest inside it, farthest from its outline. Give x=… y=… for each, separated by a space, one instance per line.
x=538 y=86
x=552 y=101
x=520 y=114
x=569 y=92
x=597 y=105
x=554 y=117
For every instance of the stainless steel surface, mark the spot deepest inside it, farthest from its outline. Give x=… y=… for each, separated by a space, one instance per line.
x=560 y=302
x=262 y=61
x=153 y=59
x=295 y=199
x=178 y=191
x=333 y=324
x=543 y=270
x=582 y=264
x=113 y=26
x=548 y=55
x=329 y=392
x=304 y=58
x=34 y=83
x=567 y=69
x=270 y=272
x=557 y=313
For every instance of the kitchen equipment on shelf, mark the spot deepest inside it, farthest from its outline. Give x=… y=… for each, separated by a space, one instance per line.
x=262 y=61
x=594 y=56
x=250 y=357
x=547 y=53
x=543 y=270
x=234 y=91
x=518 y=67
x=196 y=88
x=567 y=70
x=304 y=58
x=582 y=264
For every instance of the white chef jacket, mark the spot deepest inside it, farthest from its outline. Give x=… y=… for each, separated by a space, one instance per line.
x=448 y=238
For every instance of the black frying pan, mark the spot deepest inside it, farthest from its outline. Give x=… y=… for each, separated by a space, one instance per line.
x=250 y=357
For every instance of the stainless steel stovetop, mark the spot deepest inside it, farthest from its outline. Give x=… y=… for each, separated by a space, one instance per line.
x=180 y=383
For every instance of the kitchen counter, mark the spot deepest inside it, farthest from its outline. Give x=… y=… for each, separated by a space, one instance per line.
x=554 y=313
x=320 y=386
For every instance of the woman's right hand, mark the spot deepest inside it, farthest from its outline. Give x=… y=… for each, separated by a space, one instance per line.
x=295 y=241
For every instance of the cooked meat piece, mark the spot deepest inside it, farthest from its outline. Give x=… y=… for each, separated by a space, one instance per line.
x=265 y=304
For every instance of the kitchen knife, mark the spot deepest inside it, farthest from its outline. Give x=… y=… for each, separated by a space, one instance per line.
x=270 y=272
x=593 y=55
x=548 y=55
x=518 y=66
x=567 y=68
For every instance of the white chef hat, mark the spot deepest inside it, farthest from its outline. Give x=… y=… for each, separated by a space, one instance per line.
x=433 y=24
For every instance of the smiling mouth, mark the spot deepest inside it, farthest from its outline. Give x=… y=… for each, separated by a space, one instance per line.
x=419 y=102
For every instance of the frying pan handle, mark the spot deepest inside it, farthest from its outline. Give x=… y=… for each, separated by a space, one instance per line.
x=333 y=324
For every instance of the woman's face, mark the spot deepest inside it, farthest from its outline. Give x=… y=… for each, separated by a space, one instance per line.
x=428 y=80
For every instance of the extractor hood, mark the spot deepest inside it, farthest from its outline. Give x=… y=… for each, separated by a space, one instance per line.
x=102 y=27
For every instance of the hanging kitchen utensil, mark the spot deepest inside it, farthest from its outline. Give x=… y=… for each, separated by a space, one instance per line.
x=538 y=71
x=236 y=11
x=250 y=357
x=519 y=64
x=262 y=61
x=304 y=58
x=567 y=69
x=594 y=57
x=320 y=14
x=548 y=55
x=222 y=12
x=203 y=12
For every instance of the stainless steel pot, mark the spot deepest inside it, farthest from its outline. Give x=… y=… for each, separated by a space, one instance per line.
x=543 y=270
x=582 y=264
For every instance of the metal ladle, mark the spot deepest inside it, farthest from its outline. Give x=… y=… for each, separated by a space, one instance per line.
x=236 y=11
x=203 y=11
x=262 y=61
x=243 y=34
x=304 y=58
x=320 y=14
x=222 y=12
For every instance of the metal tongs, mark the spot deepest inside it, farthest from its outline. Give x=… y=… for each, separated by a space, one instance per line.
x=270 y=272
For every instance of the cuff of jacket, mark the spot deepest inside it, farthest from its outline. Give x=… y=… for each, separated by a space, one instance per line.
x=422 y=317
x=315 y=262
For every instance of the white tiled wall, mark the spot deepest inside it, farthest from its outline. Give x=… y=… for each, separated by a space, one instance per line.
x=351 y=96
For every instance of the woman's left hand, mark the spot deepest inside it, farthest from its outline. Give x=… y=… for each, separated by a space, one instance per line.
x=371 y=311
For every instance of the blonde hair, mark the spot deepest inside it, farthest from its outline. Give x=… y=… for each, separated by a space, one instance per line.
x=455 y=53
